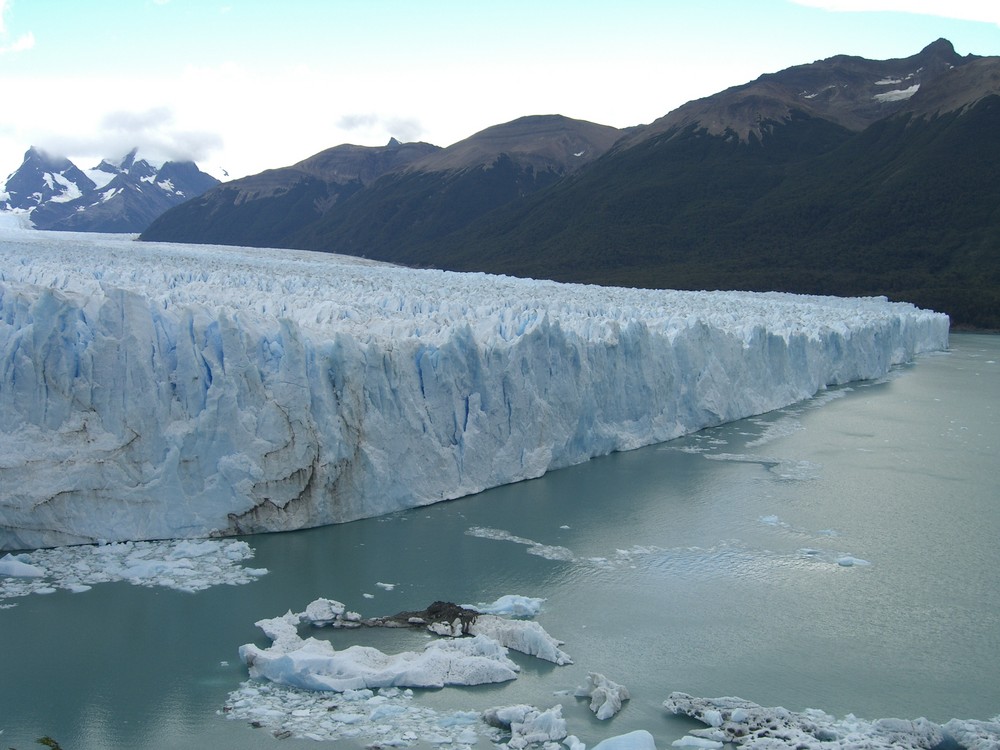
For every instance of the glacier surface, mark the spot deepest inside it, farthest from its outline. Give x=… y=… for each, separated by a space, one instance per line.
x=153 y=391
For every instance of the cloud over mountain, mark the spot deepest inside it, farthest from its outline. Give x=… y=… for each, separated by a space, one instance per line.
x=154 y=131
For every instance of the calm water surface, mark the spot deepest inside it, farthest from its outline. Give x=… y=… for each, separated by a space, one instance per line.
x=713 y=564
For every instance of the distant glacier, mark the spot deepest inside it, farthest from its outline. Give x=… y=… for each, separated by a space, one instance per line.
x=153 y=391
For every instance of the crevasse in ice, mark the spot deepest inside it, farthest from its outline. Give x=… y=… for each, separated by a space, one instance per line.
x=163 y=391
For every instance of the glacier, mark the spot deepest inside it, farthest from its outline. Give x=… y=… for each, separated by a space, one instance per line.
x=158 y=391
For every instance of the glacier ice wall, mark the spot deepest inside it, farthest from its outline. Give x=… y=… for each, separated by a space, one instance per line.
x=157 y=391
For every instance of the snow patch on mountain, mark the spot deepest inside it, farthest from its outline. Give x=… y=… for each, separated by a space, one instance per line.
x=99 y=177
x=898 y=95
x=67 y=191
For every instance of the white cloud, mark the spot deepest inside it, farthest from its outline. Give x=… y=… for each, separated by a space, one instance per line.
x=356 y=121
x=962 y=10
x=22 y=43
x=125 y=121
x=402 y=128
x=152 y=131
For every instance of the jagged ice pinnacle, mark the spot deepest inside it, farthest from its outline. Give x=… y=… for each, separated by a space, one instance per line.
x=160 y=391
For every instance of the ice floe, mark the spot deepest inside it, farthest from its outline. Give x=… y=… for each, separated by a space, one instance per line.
x=388 y=717
x=729 y=555
x=548 y=551
x=749 y=725
x=184 y=565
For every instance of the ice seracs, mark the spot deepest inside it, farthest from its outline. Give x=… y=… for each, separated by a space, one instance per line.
x=163 y=391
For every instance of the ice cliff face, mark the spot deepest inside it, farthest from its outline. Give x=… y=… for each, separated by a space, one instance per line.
x=154 y=391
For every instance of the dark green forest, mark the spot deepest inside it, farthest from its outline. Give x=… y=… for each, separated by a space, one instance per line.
x=908 y=208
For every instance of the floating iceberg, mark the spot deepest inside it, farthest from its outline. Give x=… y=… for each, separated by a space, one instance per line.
x=511 y=605
x=606 y=697
x=311 y=664
x=284 y=675
x=528 y=725
x=15 y=567
x=152 y=391
x=527 y=637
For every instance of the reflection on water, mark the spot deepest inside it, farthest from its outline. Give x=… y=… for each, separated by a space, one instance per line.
x=838 y=554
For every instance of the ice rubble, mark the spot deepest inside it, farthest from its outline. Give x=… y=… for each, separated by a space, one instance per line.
x=289 y=677
x=528 y=725
x=310 y=690
x=184 y=565
x=163 y=391
x=748 y=725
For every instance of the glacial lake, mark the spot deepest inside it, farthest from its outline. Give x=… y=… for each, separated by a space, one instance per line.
x=839 y=554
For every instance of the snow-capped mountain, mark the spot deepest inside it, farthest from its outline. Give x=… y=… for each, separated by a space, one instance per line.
x=123 y=196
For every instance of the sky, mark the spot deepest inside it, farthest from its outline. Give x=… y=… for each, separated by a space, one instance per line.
x=247 y=85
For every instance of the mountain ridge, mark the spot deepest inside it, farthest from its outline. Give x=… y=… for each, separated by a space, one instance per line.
x=769 y=185
x=293 y=205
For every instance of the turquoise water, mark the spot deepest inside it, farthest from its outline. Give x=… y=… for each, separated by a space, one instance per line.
x=839 y=554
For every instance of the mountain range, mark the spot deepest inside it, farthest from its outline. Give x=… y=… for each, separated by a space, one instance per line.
x=844 y=176
x=122 y=196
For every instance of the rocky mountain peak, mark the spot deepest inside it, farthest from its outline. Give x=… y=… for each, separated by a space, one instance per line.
x=542 y=142
x=128 y=160
x=41 y=158
x=851 y=91
x=958 y=88
x=43 y=177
